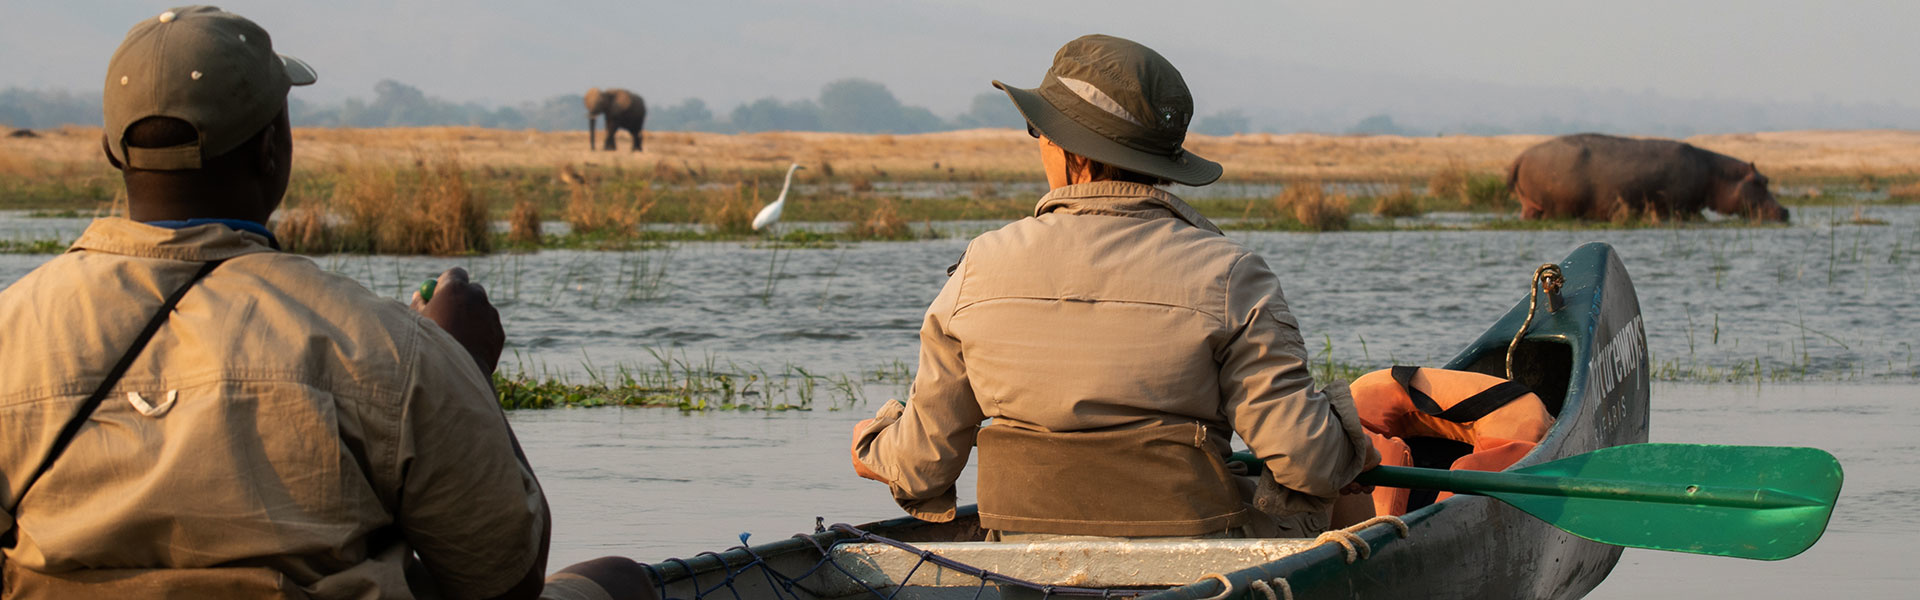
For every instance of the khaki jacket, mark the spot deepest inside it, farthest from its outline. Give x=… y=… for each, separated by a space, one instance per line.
x=318 y=437
x=1116 y=307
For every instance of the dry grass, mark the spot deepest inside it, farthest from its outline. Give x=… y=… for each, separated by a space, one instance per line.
x=523 y=224
x=1485 y=191
x=1622 y=214
x=1310 y=204
x=584 y=212
x=1401 y=203
x=422 y=208
x=456 y=220
x=883 y=224
x=1450 y=181
x=303 y=229
x=355 y=179
x=999 y=154
x=1479 y=190
x=732 y=213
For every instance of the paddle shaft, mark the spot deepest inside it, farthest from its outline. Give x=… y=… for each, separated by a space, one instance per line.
x=1485 y=482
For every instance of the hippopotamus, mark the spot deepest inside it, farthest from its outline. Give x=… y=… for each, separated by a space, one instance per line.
x=1593 y=176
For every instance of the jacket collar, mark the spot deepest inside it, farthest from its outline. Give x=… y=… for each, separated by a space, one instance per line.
x=199 y=243
x=1121 y=199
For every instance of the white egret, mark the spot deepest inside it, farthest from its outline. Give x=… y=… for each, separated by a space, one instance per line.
x=771 y=214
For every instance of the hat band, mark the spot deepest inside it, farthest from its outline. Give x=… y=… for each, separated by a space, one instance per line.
x=174 y=158
x=1093 y=95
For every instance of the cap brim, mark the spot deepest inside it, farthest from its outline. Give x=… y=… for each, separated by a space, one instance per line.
x=1187 y=168
x=298 y=71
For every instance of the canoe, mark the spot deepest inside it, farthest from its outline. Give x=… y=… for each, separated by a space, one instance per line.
x=1587 y=361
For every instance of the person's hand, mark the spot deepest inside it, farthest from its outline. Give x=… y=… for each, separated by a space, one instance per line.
x=460 y=307
x=1355 y=487
x=860 y=468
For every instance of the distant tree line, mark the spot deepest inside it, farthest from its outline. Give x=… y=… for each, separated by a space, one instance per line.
x=846 y=105
x=863 y=106
x=35 y=109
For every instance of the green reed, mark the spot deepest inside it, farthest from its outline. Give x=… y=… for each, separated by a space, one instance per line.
x=674 y=381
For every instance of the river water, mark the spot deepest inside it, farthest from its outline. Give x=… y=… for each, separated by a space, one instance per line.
x=1799 y=335
x=656 y=483
x=1821 y=299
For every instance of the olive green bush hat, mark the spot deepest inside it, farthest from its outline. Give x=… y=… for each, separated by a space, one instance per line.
x=213 y=69
x=1115 y=101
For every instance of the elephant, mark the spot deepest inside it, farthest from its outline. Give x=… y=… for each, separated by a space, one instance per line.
x=1590 y=176
x=624 y=110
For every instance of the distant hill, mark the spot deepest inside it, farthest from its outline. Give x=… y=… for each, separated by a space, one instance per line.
x=1316 y=101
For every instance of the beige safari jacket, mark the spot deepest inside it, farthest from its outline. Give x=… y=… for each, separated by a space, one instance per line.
x=303 y=437
x=1116 y=307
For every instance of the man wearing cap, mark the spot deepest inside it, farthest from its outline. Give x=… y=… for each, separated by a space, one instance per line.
x=1117 y=340
x=189 y=411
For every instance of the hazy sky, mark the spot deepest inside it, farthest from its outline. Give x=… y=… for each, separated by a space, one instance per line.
x=940 y=53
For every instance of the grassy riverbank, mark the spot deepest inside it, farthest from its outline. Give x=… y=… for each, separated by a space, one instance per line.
x=436 y=190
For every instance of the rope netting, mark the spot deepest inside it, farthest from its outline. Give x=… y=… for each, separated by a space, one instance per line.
x=787 y=586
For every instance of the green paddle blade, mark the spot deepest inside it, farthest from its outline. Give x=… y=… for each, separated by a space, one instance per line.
x=1756 y=502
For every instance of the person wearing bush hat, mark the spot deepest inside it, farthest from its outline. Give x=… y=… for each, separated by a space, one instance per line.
x=191 y=413
x=1116 y=340
x=1117 y=103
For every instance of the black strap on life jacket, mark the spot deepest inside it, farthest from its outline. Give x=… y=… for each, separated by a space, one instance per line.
x=1468 y=410
x=93 y=401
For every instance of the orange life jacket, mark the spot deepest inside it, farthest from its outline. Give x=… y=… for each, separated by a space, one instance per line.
x=1501 y=419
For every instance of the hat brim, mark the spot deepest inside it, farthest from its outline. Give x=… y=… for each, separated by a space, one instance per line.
x=298 y=71
x=1187 y=168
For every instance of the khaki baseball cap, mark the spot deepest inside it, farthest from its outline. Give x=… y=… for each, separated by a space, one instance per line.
x=213 y=69
x=1117 y=102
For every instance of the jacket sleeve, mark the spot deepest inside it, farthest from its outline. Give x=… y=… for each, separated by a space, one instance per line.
x=1311 y=440
x=468 y=502
x=920 y=448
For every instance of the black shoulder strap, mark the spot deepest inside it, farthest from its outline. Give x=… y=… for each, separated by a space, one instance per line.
x=1468 y=410
x=93 y=401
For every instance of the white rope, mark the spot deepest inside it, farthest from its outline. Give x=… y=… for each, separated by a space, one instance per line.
x=1355 y=547
x=1263 y=588
x=1286 y=590
x=1226 y=586
x=1397 y=524
x=1350 y=543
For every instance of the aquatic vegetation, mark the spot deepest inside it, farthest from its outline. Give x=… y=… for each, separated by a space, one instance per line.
x=1328 y=368
x=883 y=224
x=1908 y=191
x=1485 y=191
x=1398 y=204
x=1450 y=181
x=1477 y=190
x=1313 y=206
x=733 y=213
x=676 y=382
x=523 y=225
x=41 y=246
